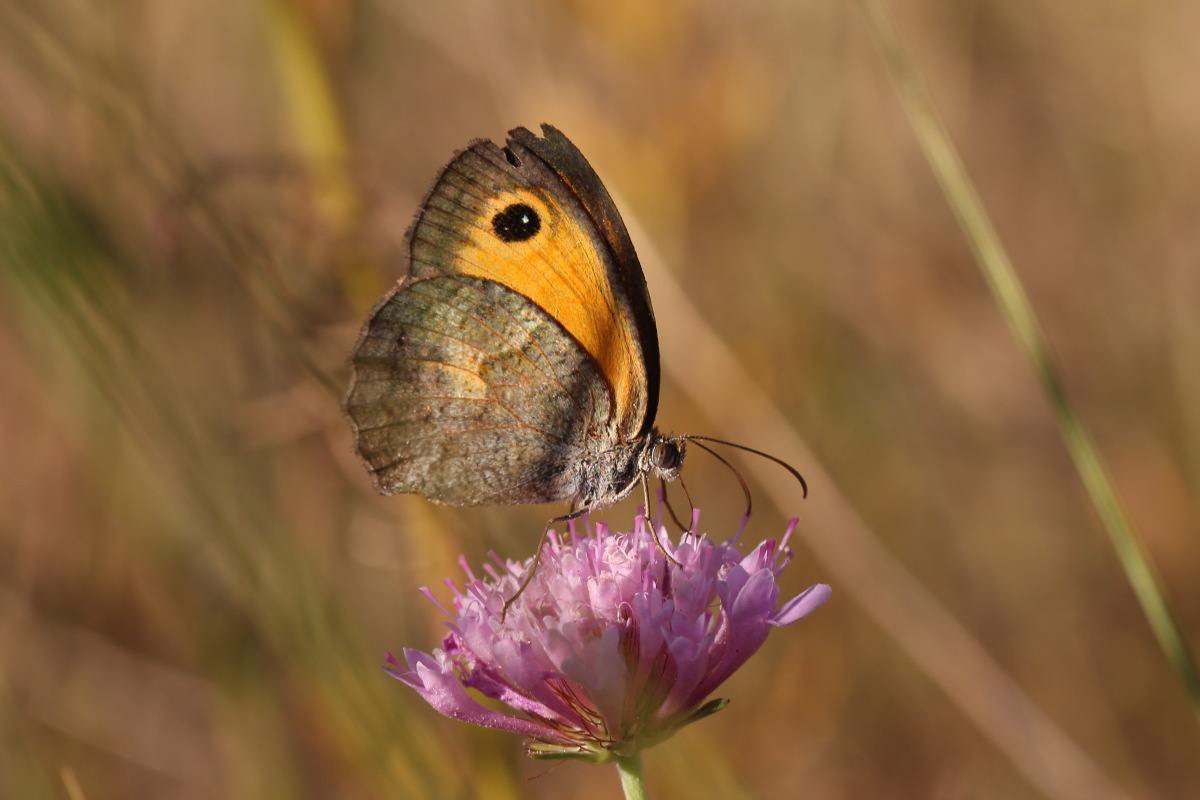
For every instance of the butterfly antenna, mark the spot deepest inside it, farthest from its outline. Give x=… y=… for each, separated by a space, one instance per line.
x=670 y=509
x=795 y=473
x=734 y=470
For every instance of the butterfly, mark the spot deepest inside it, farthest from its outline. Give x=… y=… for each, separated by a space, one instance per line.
x=518 y=361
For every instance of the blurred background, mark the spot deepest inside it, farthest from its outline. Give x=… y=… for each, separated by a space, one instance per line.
x=200 y=200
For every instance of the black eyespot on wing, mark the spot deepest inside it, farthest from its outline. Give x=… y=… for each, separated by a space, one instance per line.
x=517 y=223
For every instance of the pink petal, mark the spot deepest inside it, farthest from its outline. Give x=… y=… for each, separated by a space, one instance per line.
x=441 y=690
x=801 y=605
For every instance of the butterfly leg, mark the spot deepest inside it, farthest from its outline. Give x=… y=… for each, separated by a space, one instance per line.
x=657 y=540
x=537 y=557
x=671 y=509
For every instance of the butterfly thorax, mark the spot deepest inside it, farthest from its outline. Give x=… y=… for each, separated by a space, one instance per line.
x=608 y=476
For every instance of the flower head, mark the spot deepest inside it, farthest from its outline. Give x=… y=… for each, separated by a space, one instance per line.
x=612 y=646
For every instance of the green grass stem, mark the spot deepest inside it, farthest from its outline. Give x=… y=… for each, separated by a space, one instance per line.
x=1014 y=304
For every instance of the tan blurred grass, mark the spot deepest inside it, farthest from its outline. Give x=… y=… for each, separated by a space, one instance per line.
x=197 y=582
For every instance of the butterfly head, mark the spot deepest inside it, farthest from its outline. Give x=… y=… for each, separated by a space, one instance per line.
x=663 y=456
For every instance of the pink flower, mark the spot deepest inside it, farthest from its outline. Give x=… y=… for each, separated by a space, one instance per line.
x=612 y=647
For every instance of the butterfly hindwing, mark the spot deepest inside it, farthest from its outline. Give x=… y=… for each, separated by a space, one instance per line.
x=469 y=394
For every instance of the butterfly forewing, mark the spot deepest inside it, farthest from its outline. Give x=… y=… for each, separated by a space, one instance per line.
x=523 y=226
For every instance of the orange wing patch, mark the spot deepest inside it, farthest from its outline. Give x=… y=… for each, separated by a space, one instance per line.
x=560 y=266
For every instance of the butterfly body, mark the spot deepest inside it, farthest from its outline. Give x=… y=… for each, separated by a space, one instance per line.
x=518 y=360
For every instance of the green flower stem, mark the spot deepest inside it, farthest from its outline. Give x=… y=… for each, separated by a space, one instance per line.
x=632 y=780
x=1010 y=296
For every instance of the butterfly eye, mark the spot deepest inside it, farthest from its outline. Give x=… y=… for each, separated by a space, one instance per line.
x=667 y=456
x=516 y=223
